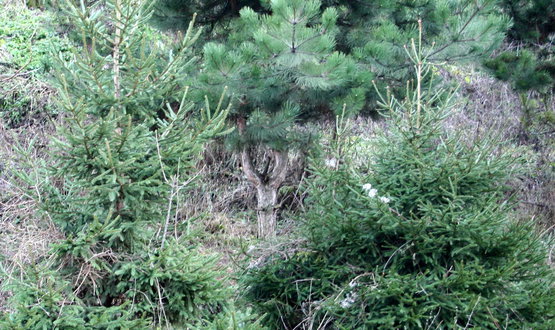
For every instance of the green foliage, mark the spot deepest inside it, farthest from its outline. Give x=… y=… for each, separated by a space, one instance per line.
x=44 y=300
x=148 y=73
x=527 y=72
x=416 y=237
x=376 y=33
x=322 y=54
x=289 y=290
x=27 y=39
x=279 y=67
x=272 y=62
x=232 y=318
x=175 y=282
x=533 y=20
x=286 y=52
x=121 y=161
x=174 y=14
x=109 y=147
x=523 y=70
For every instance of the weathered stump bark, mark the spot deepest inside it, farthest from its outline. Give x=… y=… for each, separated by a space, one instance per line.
x=267 y=187
x=267 y=198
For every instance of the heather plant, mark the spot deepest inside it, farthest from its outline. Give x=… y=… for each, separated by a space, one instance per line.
x=419 y=236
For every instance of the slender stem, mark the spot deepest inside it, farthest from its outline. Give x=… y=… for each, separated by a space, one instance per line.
x=117 y=43
x=419 y=75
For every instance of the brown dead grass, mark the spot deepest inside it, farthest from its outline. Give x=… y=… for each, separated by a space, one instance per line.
x=493 y=108
x=26 y=233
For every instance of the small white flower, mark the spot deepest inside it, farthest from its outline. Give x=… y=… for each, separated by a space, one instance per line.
x=353 y=284
x=331 y=162
x=350 y=299
x=253 y=264
x=367 y=187
x=346 y=303
x=384 y=200
x=372 y=193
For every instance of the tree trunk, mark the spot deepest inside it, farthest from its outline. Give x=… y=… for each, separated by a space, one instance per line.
x=267 y=185
x=267 y=188
x=266 y=211
x=233 y=6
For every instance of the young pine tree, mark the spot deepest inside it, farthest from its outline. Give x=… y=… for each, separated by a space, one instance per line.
x=288 y=54
x=277 y=66
x=533 y=20
x=375 y=32
x=528 y=73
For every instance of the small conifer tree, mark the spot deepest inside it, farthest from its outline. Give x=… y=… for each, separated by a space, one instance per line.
x=527 y=72
x=277 y=66
x=125 y=149
x=290 y=56
x=416 y=236
x=533 y=20
x=375 y=32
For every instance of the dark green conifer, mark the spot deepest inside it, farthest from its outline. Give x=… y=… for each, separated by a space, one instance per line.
x=533 y=20
x=376 y=32
x=278 y=66
x=126 y=147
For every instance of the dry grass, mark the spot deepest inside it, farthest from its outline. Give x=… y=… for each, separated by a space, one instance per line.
x=26 y=234
x=23 y=100
x=25 y=128
x=492 y=108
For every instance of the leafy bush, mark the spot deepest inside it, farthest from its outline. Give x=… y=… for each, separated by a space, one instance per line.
x=419 y=237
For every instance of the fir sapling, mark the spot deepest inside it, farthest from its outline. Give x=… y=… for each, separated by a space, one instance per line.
x=117 y=167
